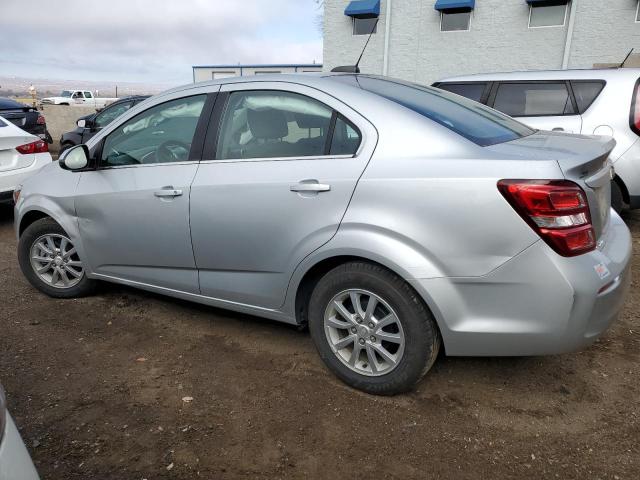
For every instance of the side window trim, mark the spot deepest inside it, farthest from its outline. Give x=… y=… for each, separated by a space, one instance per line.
x=212 y=137
x=330 y=132
x=496 y=85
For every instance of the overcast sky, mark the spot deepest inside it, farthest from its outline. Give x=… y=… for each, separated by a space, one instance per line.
x=152 y=40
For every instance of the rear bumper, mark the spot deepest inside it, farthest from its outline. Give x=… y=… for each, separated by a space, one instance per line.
x=537 y=303
x=15 y=462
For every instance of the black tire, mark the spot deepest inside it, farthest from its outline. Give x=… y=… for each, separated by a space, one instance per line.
x=422 y=337
x=33 y=232
x=617 y=198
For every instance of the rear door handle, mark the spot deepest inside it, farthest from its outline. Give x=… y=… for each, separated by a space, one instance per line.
x=310 y=187
x=558 y=129
x=167 y=192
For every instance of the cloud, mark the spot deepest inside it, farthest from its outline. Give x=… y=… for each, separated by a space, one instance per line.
x=152 y=40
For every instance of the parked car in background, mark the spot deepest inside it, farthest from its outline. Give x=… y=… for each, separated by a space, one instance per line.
x=21 y=155
x=391 y=218
x=89 y=125
x=15 y=462
x=78 y=97
x=27 y=118
x=591 y=102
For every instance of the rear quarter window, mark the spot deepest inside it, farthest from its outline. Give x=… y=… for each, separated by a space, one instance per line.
x=586 y=93
x=473 y=121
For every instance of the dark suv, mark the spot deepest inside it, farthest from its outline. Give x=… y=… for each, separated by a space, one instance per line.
x=91 y=124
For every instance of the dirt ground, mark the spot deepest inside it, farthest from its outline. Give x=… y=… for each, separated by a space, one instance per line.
x=97 y=388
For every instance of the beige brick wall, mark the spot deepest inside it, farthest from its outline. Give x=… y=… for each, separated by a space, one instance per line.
x=499 y=39
x=62 y=118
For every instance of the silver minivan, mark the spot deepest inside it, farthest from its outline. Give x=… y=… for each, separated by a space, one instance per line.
x=392 y=219
x=591 y=102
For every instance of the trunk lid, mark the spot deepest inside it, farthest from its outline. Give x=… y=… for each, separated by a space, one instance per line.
x=10 y=138
x=582 y=159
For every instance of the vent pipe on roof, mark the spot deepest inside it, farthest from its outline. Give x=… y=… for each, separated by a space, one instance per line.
x=567 y=44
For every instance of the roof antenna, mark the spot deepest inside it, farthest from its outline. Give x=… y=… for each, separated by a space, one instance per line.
x=626 y=58
x=355 y=68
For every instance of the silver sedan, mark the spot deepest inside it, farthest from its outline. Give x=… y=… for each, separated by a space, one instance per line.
x=391 y=218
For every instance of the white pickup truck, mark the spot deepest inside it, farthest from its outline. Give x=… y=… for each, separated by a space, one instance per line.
x=78 y=97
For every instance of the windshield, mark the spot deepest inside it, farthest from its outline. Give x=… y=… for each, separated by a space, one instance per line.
x=65 y=93
x=474 y=121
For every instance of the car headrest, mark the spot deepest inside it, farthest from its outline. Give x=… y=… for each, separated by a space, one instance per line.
x=311 y=121
x=267 y=124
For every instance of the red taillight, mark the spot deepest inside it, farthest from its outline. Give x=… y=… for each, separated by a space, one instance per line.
x=39 y=146
x=40 y=120
x=634 y=118
x=556 y=209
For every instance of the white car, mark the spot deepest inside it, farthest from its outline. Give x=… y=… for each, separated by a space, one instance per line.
x=588 y=102
x=78 y=97
x=15 y=462
x=21 y=155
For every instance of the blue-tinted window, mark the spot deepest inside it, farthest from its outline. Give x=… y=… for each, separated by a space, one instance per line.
x=482 y=125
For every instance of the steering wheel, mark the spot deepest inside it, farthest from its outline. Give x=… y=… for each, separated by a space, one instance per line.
x=179 y=153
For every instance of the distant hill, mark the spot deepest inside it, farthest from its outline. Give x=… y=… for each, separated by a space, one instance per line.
x=18 y=87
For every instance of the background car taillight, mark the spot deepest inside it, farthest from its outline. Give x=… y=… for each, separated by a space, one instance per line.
x=634 y=117
x=41 y=120
x=39 y=146
x=556 y=209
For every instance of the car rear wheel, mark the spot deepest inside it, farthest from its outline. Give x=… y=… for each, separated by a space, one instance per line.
x=372 y=329
x=50 y=261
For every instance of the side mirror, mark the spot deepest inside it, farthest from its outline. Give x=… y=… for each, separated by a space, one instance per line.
x=75 y=158
x=85 y=123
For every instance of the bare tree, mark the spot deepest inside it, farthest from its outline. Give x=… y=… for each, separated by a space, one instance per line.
x=320 y=15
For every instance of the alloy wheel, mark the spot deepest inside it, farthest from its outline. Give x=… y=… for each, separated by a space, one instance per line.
x=55 y=260
x=364 y=332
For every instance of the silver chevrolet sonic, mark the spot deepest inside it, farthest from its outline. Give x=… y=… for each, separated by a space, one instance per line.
x=393 y=219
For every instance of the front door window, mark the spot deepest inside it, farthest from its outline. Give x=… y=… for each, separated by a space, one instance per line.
x=161 y=134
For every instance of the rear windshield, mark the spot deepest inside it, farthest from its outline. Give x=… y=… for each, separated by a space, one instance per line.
x=482 y=125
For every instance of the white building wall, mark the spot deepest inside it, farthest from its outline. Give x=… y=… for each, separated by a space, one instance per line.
x=499 y=39
x=605 y=31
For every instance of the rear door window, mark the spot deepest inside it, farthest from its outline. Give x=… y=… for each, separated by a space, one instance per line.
x=586 y=93
x=273 y=124
x=534 y=99
x=473 y=91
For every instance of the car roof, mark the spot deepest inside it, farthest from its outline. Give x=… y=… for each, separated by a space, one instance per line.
x=8 y=103
x=586 y=74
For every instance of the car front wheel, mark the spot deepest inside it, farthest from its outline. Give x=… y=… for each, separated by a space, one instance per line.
x=372 y=329
x=50 y=261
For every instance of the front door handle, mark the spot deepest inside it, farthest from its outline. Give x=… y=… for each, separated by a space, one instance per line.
x=558 y=129
x=167 y=192
x=310 y=187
